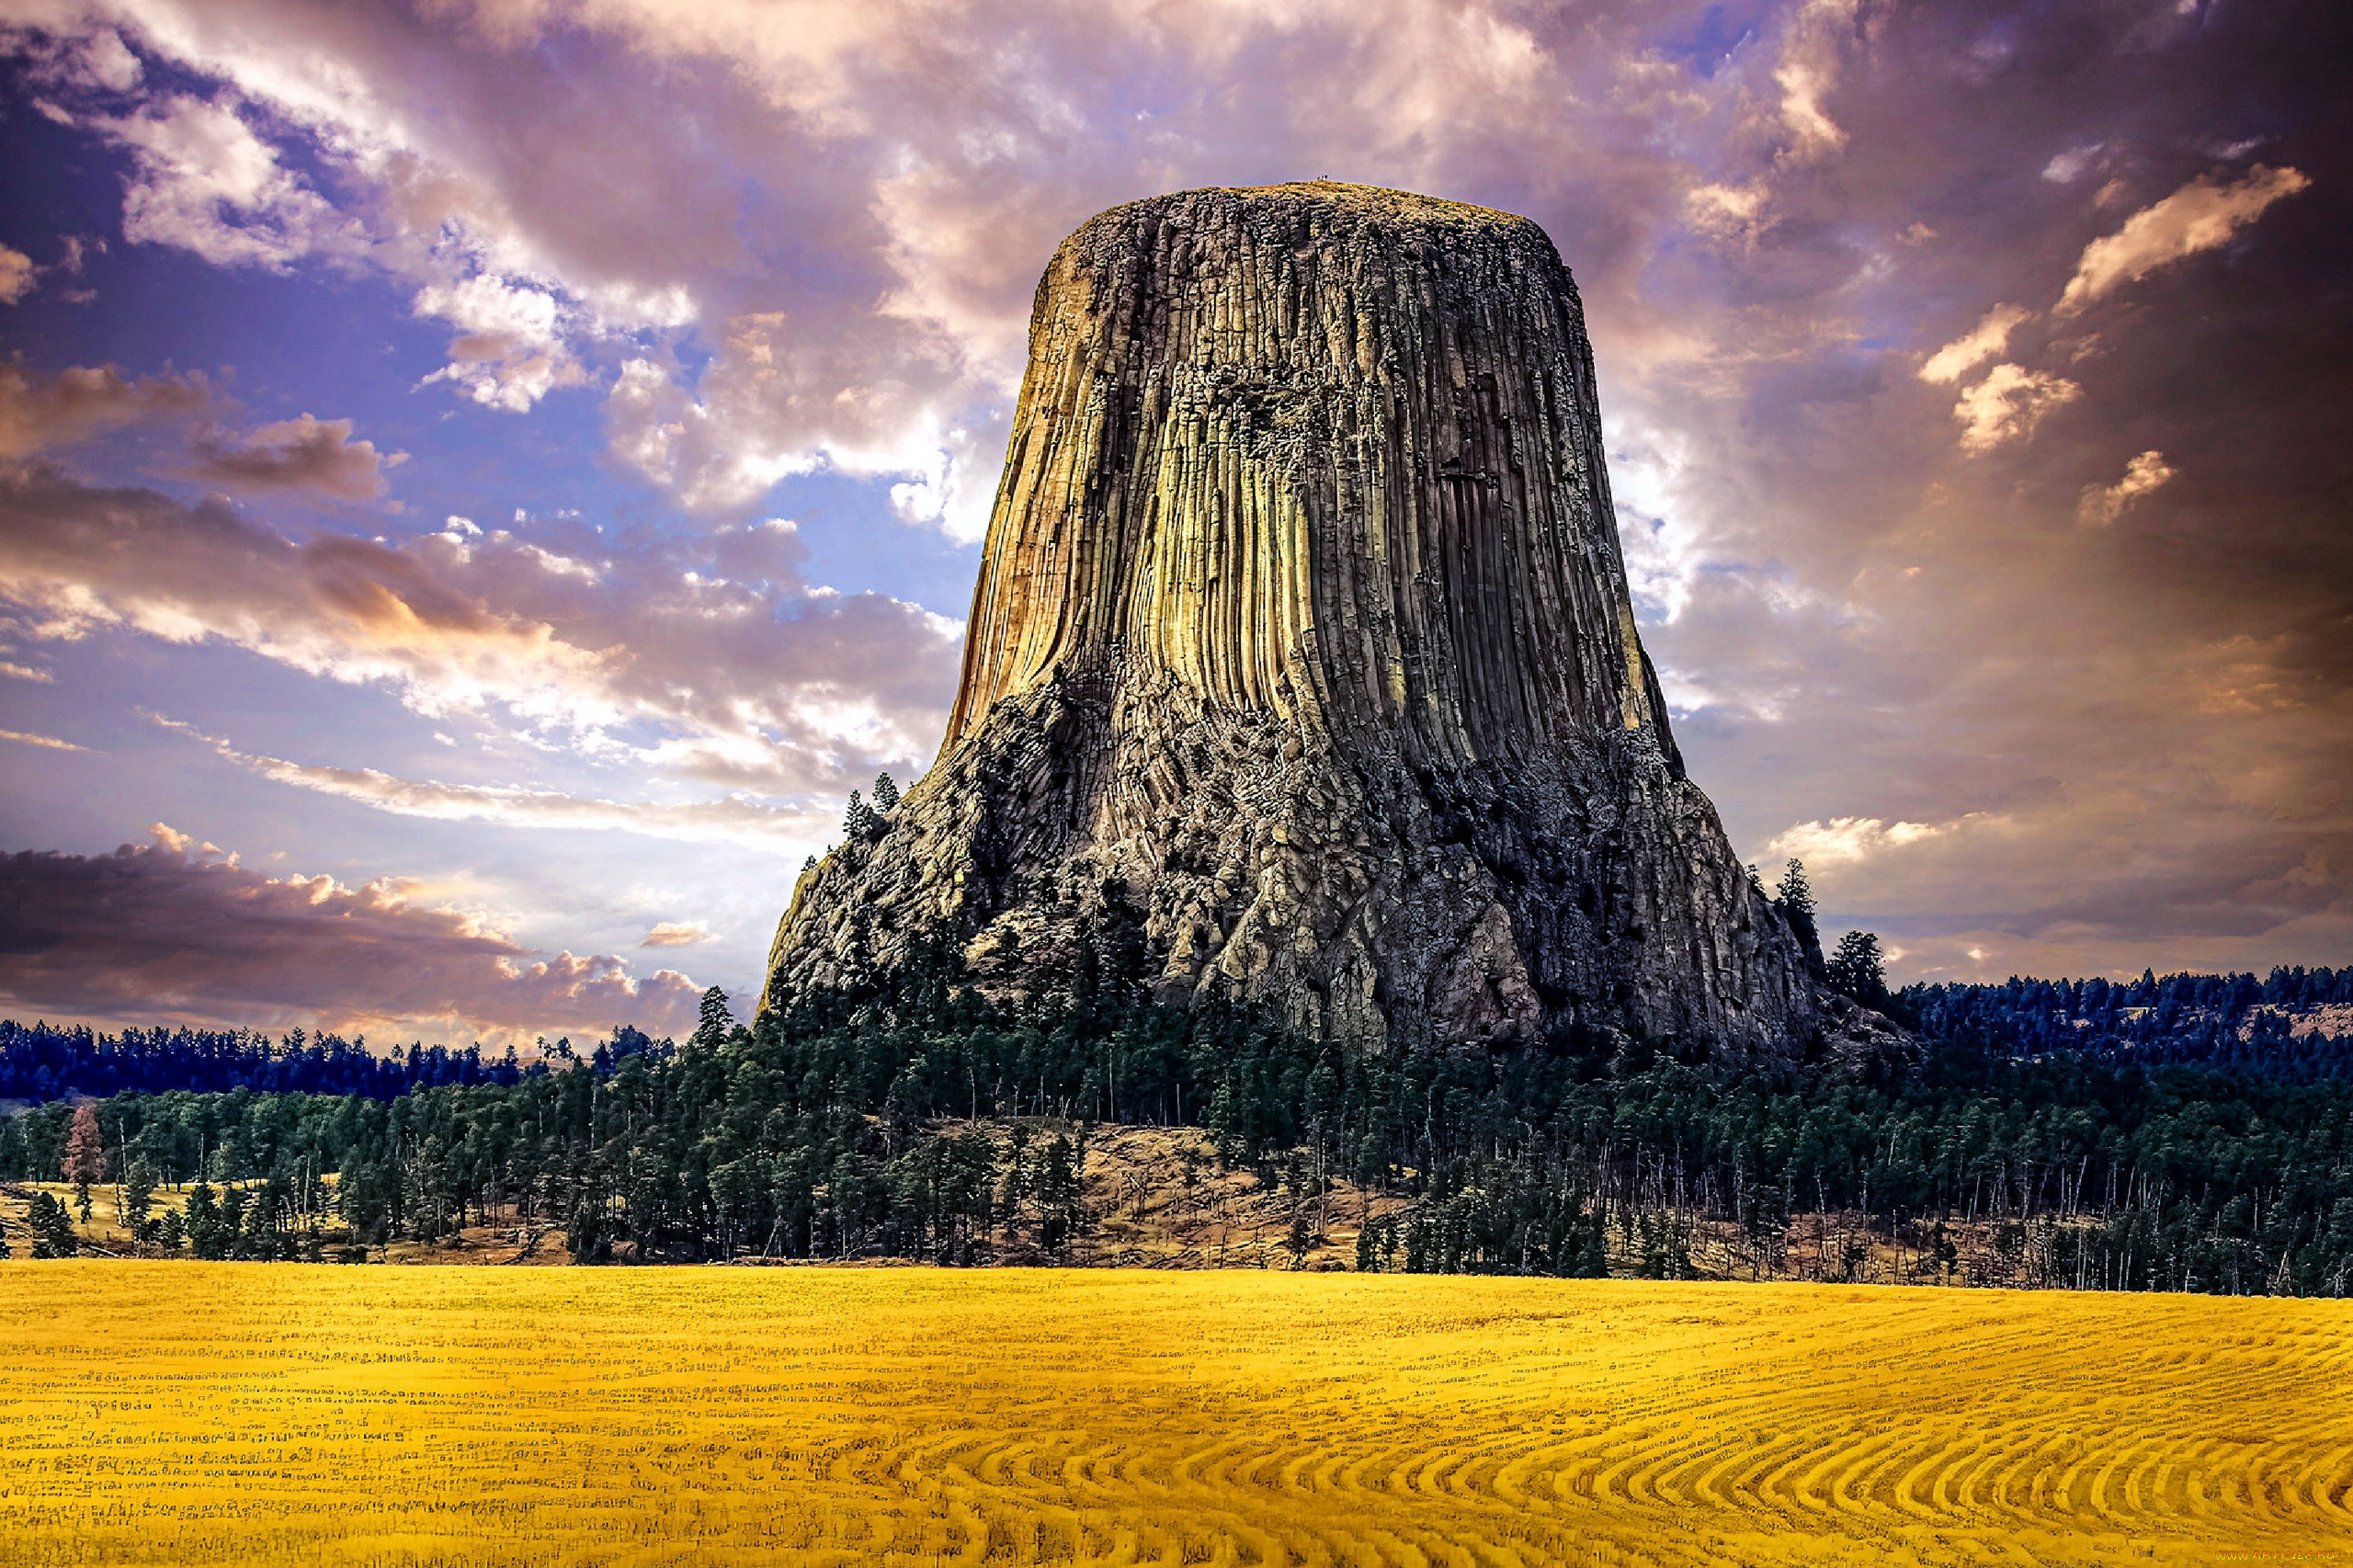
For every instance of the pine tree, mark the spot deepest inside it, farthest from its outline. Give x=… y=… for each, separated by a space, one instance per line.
x=1062 y=1203
x=210 y=1231
x=886 y=793
x=52 y=1226
x=1796 y=905
x=1796 y=895
x=859 y=822
x=138 y=1202
x=85 y=1155
x=717 y=1022
x=1302 y=1238
x=1858 y=969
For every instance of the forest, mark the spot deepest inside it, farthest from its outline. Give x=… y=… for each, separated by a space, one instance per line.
x=2176 y=1134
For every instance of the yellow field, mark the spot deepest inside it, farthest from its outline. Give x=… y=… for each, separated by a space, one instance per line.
x=174 y=1412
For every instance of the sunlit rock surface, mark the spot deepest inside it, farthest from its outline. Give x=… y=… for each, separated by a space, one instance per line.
x=1303 y=643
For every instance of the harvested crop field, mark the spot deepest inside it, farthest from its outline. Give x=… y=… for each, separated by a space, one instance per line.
x=183 y=1413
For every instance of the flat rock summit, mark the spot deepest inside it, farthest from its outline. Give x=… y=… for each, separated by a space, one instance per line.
x=1302 y=660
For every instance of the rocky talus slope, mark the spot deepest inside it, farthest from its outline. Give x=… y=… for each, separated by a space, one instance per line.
x=1302 y=652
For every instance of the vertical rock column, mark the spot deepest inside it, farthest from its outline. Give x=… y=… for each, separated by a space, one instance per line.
x=1302 y=637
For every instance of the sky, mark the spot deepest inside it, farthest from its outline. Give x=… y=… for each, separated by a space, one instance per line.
x=481 y=481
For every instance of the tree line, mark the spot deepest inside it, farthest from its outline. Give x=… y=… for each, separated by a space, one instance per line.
x=2275 y=1026
x=903 y=1114
x=39 y=1062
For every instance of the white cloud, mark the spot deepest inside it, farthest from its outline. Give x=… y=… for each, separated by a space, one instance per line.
x=1731 y=214
x=747 y=825
x=16 y=274
x=1659 y=507
x=766 y=408
x=2102 y=505
x=1976 y=345
x=2065 y=168
x=2199 y=216
x=49 y=743
x=203 y=181
x=1807 y=72
x=511 y=349
x=109 y=64
x=1848 y=840
x=758 y=683
x=679 y=934
x=2007 y=404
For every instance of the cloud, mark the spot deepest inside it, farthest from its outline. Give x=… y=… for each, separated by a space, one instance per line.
x=16 y=274
x=849 y=218
x=2102 y=505
x=205 y=182
x=510 y=351
x=2199 y=216
x=174 y=931
x=1847 y=839
x=49 y=742
x=1807 y=72
x=753 y=682
x=2065 y=168
x=2007 y=404
x=677 y=934
x=1731 y=214
x=302 y=454
x=39 y=412
x=1972 y=348
x=746 y=824
x=107 y=63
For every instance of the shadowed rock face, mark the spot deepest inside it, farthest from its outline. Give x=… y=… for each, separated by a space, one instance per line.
x=1303 y=638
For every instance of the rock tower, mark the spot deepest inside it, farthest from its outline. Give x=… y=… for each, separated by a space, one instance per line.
x=1302 y=652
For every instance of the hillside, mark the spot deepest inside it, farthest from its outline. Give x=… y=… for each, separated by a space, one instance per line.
x=1093 y=1127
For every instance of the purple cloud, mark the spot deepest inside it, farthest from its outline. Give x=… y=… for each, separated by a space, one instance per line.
x=174 y=931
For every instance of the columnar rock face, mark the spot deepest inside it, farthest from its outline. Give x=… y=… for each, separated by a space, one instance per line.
x=1302 y=641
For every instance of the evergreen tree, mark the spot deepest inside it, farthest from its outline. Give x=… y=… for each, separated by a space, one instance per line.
x=1796 y=903
x=859 y=822
x=85 y=1155
x=52 y=1226
x=716 y=1022
x=139 y=1202
x=1062 y=1214
x=886 y=792
x=1302 y=1238
x=211 y=1231
x=1858 y=969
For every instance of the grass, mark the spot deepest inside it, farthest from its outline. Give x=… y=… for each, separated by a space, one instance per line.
x=186 y=1413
